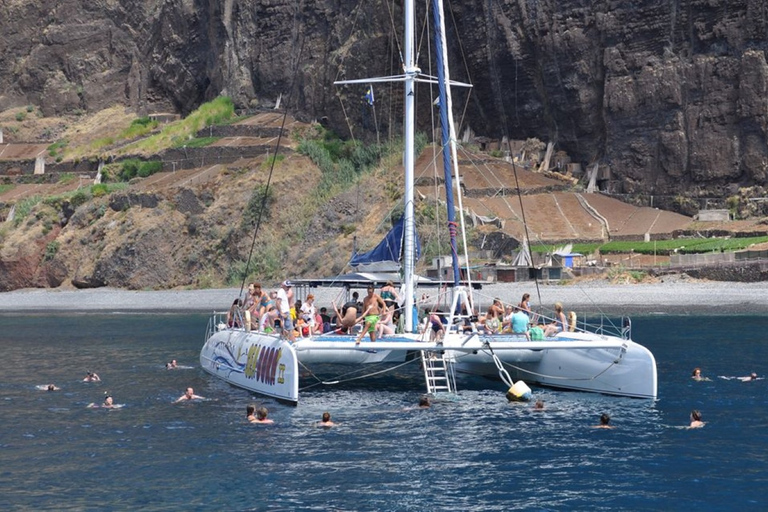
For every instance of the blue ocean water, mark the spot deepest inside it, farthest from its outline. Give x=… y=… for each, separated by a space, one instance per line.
x=476 y=452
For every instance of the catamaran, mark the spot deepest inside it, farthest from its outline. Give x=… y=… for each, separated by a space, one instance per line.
x=599 y=360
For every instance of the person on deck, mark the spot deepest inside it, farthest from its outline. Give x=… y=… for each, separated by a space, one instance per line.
x=506 y=323
x=520 y=323
x=233 y=315
x=492 y=323
x=269 y=300
x=308 y=314
x=386 y=325
x=373 y=306
x=267 y=321
x=525 y=305
x=391 y=298
x=536 y=333
x=257 y=296
x=437 y=330
x=559 y=325
x=345 y=319
x=285 y=299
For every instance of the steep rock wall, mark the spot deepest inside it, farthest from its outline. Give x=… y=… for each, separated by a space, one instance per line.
x=670 y=94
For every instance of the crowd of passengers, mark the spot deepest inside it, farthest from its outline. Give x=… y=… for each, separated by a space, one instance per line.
x=378 y=314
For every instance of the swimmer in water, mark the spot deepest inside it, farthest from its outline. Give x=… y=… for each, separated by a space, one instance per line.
x=261 y=416
x=92 y=377
x=326 y=421
x=189 y=394
x=108 y=403
x=748 y=378
x=696 y=420
x=605 y=421
x=696 y=375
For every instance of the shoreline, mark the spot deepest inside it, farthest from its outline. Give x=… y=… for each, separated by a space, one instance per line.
x=672 y=296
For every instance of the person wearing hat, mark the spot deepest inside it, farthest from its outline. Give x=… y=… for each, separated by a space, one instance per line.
x=284 y=301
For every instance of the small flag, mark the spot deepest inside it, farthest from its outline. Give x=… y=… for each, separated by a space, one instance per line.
x=369 y=95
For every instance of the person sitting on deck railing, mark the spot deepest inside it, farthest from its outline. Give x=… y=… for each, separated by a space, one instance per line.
x=386 y=324
x=492 y=322
x=234 y=314
x=559 y=325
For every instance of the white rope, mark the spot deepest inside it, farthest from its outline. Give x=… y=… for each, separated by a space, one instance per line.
x=341 y=381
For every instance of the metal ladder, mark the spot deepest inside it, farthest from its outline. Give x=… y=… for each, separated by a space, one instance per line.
x=438 y=372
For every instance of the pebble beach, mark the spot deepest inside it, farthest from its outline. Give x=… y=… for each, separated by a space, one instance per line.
x=674 y=295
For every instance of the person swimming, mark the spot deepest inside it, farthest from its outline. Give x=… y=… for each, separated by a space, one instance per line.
x=107 y=404
x=326 y=421
x=696 y=375
x=696 y=420
x=261 y=416
x=91 y=377
x=189 y=394
x=605 y=421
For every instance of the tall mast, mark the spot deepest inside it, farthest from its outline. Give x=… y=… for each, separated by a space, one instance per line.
x=447 y=131
x=409 y=226
x=450 y=158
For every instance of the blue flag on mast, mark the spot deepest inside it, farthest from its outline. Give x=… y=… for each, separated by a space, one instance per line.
x=369 y=95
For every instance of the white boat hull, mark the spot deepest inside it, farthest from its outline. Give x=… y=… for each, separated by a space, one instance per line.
x=261 y=363
x=268 y=365
x=628 y=370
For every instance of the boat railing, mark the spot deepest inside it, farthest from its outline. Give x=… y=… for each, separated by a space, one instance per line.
x=216 y=322
x=598 y=324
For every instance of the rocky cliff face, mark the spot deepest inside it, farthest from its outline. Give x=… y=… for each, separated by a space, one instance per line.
x=670 y=94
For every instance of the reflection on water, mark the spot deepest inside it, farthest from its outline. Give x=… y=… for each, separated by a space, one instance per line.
x=475 y=452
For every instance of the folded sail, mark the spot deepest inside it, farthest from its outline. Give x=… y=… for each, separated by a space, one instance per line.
x=389 y=249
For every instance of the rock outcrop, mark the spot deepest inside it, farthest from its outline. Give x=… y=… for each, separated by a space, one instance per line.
x=670 y=95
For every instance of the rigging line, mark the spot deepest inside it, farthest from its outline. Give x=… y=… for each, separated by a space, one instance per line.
x=391 y=85
x=265 y=195
x=343 y=54
x=503 y=375
x=393 y=32
x=464 y=61
x=424 y=30
x=365 y=376
x=525 y=228
x=346 y=117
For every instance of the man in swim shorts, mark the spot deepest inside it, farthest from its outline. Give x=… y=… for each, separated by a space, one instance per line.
x=373 y=305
